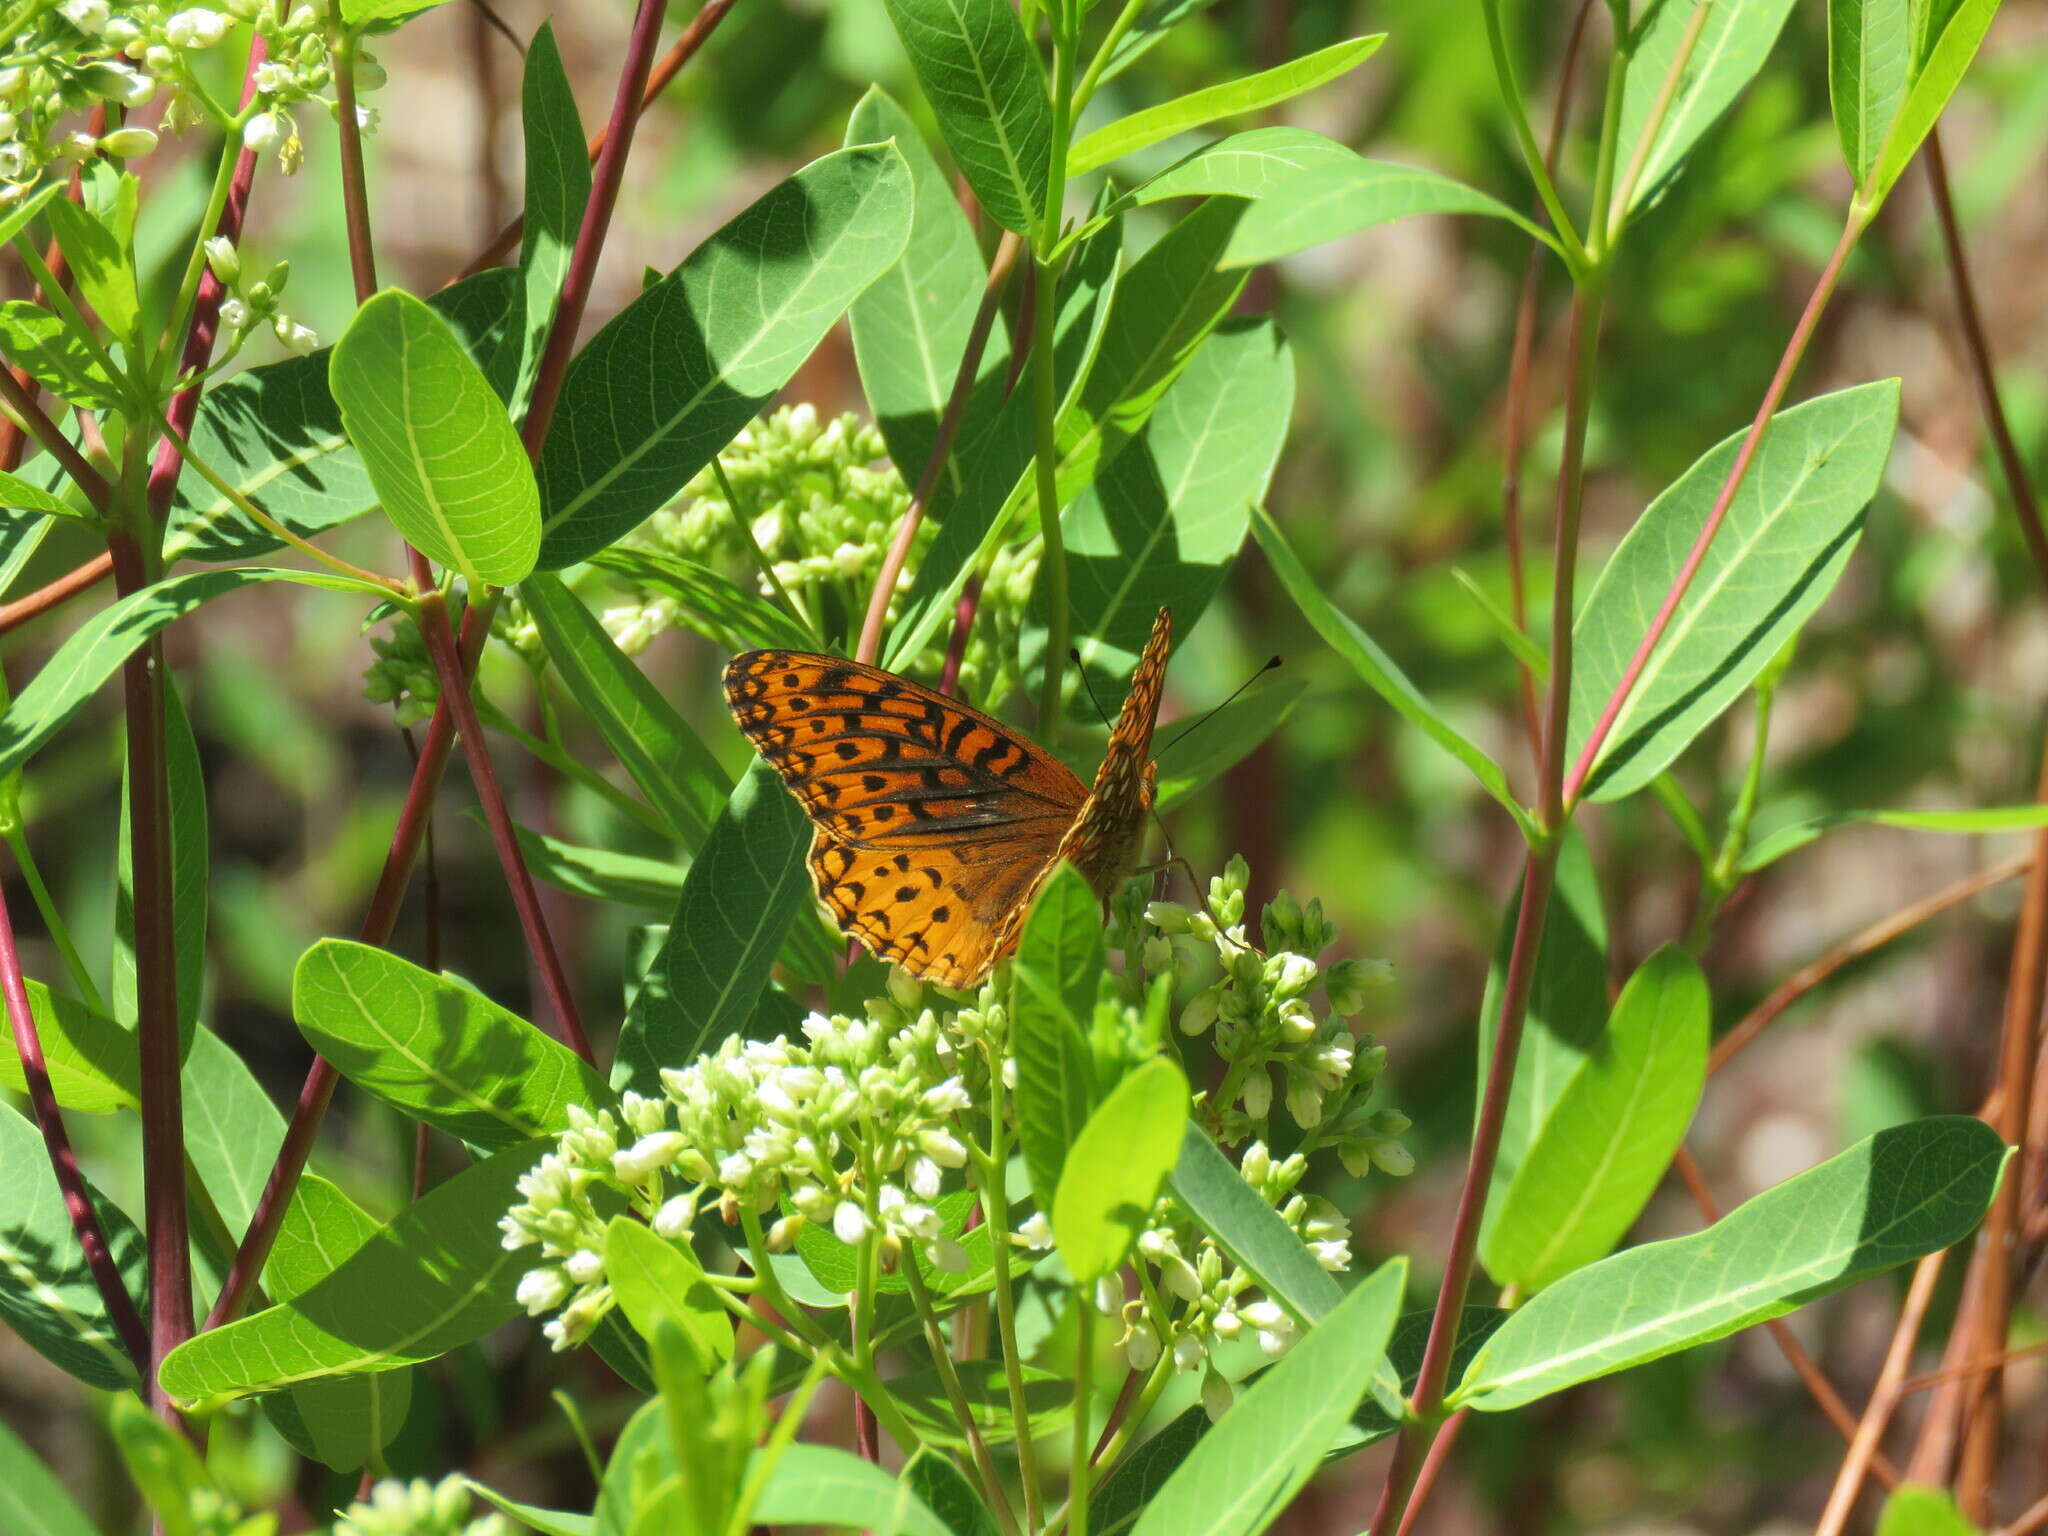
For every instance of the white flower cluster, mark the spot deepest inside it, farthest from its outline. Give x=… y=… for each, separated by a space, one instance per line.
x=251 y=303
x=854 y=1126
x=1259 y=1006
x=822 y=502
x=59 y=63
x=418 y=1508
x=1191 y=1295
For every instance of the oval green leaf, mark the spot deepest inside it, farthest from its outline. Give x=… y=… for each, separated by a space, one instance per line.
x=1212 y=1191
x=653 y=1278
x=1608 y=1139
x=434 y=1049
x=1782 y=545
x=434 y=436
x=1052 y=989
x=820 y=1485
x=32 y=1501
x=1915 y=1509
x=1327 y=202
x=1903 y=1193
x=1114 y=1169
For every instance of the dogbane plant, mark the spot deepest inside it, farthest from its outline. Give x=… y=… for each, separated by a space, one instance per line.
x=1061 y=1253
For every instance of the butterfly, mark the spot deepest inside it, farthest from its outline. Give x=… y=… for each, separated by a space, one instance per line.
x=933 y=824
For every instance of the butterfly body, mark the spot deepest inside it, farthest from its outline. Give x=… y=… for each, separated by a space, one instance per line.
x=934 y=824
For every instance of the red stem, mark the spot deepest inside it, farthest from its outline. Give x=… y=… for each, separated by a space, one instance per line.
x=597 y=218
x=1788 y=364
x=85 y=1221
x=963 y=627
x=455 y=691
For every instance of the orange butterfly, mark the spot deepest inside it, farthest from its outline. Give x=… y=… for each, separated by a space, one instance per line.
x=933 y=824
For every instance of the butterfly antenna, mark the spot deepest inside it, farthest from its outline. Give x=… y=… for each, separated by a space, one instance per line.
x=1074 y=655
x=1271 y=663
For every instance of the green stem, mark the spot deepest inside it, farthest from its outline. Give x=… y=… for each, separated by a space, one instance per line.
x=53 y=920
x=995 y=1209
x=1600 y=231
x=1120 y=1441
x=1085 y=91
x=1518 y=119
x=942 y=1357
x=771 y=1285
x=195 y=268
x=1084 y=1372
x=1052 y=565
x=761 y=561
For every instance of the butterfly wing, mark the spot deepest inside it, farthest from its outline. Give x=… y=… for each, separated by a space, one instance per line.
x=934 y=822
x=1103 y=840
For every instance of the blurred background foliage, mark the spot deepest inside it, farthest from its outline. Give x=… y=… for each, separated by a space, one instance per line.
x=1922 y=682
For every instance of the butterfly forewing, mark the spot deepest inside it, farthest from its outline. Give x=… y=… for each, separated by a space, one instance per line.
x=933 y=823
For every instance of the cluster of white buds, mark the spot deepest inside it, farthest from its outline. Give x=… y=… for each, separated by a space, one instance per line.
x=65 y=59
x=251 y=303
x=855 y=1127
x=1191 y=1295
x=418 y=1508
x=817 y=499
x=1259 y=1006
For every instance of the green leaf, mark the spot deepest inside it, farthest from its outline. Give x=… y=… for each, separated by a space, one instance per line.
x=1932 y=84
x=1160 y=525
x=362 y=13
x=1735 y=38
x=602 y=874
x=1252 y=93
x=1245 y=1471
x=557 y=189
x=819 y=1485
x=1114 y=1169
x=1328 y=202
x=654 y=744
x=36 y=340
x=1160 y=18
x=1869 y=57
x=436 y=441
x=274 y=433
x=1915 y=1509
x=1611 y=1134
x=654 y=1278
x=674 y=376
x=1229 y=734
x=47 y=1294
x=164 y=1467
x=1059 y=957
x=1379 y=670
x=714 y=606
x=937 y=1480
x=437 y=1277
x=344 y=1422
x=1904 y=1193
x=1212 y=1191
x=1141 y=1474
x=101 y=265
x=910 y=329
x=91 y=1059
x=1248 y=164
x=1048 y=1402
x=549 y=1522
x=34 y=1503
x=1775 y=845
x=19 y=495
x=434 y=1049
x=20 y=538
x=1566 y=1019
x=749 y=882
x=1783 y=544
x=189 y=889
x=95 y=650
x=987 y=88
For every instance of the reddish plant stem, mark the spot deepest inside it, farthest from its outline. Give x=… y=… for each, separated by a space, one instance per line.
x=85 y=1221
x=1884 y=1398
x=1928 y=1379
x=2035 y=1519
x=355 y=184
x=51 y=436
x=870 y=644
x=205 y=326
x=156 y=986
x=80 y=578
x=597 y=218
x=1439 y=1456
x=1804 y=1366
x=455 y=691
x=963 y=628
x=1520 y=358
x=685 y=47
x=1878 y=934
x=1788 y=364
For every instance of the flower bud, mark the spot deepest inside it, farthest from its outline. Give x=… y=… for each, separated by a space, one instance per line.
x=1167 y=916
x=1216 y=1396
x=542 y=1290
x=1189 y=1352
x=1281 y=921
x=849 y=1223
x=89 y=16
x=263 y=131
x=1257 y=1095
x=1305 y=1101
x=675 y=1217
x=128 y=143
x=1142 y=1347
x=1200 y=1012
x=196 y=28
x=299 y=340
x=584 y=1265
